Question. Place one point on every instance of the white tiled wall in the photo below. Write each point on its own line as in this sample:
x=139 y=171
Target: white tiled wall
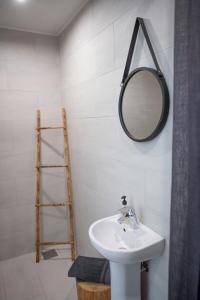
x=29 y=79
x=105 y=163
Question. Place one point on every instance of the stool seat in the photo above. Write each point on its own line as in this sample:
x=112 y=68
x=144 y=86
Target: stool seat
x=93 y=291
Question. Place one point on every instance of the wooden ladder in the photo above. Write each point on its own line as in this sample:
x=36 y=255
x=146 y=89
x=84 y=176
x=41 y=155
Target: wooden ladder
x=69 y=200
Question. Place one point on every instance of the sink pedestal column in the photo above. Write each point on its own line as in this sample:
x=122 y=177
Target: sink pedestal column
x=125 y=281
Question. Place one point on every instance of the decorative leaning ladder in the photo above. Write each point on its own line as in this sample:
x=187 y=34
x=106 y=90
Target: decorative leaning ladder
x=69 y=200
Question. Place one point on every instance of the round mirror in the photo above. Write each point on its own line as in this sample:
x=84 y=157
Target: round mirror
x=143 y=104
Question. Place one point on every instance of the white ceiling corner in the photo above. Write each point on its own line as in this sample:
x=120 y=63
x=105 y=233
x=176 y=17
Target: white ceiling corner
x=39 y=16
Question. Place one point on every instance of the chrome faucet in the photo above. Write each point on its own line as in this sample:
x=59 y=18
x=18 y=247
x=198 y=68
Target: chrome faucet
x=128 y=215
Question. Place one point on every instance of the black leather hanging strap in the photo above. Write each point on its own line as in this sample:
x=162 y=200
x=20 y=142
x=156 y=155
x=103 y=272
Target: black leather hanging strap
x=139 y=22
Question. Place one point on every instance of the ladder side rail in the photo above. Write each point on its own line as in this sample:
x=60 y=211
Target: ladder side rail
x=38 y=188
x=69 y=201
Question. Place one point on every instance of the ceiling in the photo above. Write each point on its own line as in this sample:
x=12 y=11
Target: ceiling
x=39 y=16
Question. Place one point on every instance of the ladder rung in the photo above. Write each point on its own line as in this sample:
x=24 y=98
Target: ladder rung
x=51 y=127
x=56 y=243
x=51 y=166
x=50 y=205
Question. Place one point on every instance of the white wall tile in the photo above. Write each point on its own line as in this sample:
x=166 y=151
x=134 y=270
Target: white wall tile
x=160 y=29
x=157 y=288
x=54 y=224
x=106 y=12
x=16 y=45
x=8 y=193
x=23 y=136
x=6 y=138
x=7 y=168
x=18 y=106
x=72 y=39
x=17 y=243
x=92 y=60
x=25 y=190
x=17 y=230
x=3 y=76
x=54 y=186
x=2 y=286
x=105 y=90
x=50 y=98
x=28 y=77
x=52 y=147
x=158 y=192
x=46 y=50
x=13 y=220
x=158 y=223
x=92 y=19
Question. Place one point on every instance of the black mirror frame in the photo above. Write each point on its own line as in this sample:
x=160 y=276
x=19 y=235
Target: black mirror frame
x=158 y=75
x=165 y=104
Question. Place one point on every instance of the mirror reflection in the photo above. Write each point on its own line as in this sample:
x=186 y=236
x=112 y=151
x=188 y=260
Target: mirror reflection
x=142 y=104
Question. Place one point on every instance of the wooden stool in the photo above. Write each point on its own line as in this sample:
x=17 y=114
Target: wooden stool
x=93 y=291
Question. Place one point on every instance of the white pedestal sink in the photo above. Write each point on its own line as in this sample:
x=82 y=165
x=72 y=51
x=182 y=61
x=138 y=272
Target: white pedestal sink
x=125 y=248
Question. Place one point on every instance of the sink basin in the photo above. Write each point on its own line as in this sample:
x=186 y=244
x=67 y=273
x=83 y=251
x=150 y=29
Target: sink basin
x=125 y=248
x=122 y=244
